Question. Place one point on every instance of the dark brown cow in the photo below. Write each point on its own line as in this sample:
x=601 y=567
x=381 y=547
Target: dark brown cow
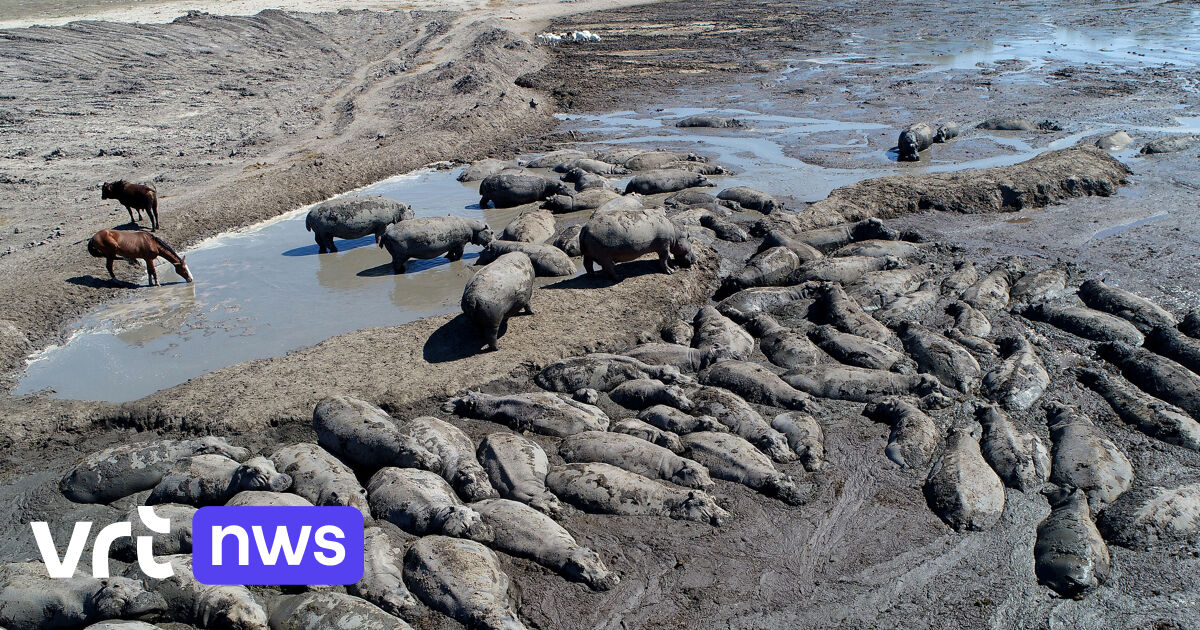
x=133 y=197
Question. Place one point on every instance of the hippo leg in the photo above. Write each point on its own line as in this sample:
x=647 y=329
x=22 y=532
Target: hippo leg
x=455 y=253
x=493 y=336
x=664 y=260
x=398 y=265
x=588 y=265
x=483 y=202
x=610 y=268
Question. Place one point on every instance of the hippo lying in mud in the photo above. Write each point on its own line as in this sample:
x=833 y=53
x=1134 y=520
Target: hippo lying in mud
x=664 y=181
x=508 y=189
x=498 y=290
x=625 y=235
x=431 y=237
x=920 y=136
x=31 y=600
x=547 y=260
x=715 y=122
x=354 y=217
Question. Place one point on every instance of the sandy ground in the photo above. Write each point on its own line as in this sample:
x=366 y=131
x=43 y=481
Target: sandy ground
x=865 y=552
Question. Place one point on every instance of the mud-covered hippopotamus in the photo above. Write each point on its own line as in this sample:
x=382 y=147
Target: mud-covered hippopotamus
x=665 y=180
x=508 y=189
x=498 y=290
x=430 y=237
x=354 y=217
x=625 y=235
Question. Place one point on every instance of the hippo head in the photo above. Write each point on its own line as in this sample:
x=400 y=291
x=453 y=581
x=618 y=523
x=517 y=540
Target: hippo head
x=784 y=488
x=231 y=610
x=218 y=446
x=776 y=447
x=585 y=565
x=258 y=473
x=701 y=507
x=463 y=522
x=482 y=236
x=908 y=146
x=682 y=251
x=462 y=405
x=473 y=485
x=586 y=396
x=679 y=398
x=693 y=475
x=121 y=597
x=558 y=188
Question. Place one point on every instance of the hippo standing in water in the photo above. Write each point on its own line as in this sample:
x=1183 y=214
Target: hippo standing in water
x=498 y=290
x=508 y=189
x=431 y=237
x=625 y=235
x=355 y=217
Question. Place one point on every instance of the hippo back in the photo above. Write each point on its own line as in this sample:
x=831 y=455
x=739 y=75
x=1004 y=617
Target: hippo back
x=357 y=216
x=501 y=285
x=627 y=232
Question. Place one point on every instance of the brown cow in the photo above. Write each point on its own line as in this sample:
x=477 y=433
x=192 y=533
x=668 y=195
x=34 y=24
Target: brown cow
x=133 y=197
x=112 y=245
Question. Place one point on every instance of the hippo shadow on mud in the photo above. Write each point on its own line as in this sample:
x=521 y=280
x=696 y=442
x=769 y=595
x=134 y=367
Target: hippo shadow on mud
x=414 y=266
x=458 y=339
x=343 y=246
x=631 y=269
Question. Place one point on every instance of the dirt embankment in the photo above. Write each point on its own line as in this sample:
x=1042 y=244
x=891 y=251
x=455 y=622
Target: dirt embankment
x=234 y=120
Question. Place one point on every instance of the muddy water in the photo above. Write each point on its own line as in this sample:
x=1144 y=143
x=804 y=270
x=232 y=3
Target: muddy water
x=258 y=293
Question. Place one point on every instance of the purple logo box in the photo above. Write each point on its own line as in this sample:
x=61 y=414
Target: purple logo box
x=277 y=545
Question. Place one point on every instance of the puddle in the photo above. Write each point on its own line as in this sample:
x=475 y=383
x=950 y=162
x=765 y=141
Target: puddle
x=1117 y=229
x=259 y=292
x=1019 y=220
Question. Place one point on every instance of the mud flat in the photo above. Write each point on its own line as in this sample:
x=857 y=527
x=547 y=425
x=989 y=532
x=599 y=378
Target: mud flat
x=865 y=549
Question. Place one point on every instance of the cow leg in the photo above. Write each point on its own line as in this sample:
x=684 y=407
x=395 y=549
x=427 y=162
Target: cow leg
x=111 y=273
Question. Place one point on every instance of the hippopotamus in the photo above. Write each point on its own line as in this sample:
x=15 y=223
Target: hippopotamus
x=768 y=268
x=1085 y=322
x=1152 y=515
x=714 y=122
x=804 y=437
x=328 y=610
x=354 y=217
x=1149 y=415
x=567 y=240
x=211 y=606
x=531 y=226
x=382 y=582
x=786 y=347
x=590 y=165
x=498 y=290
x=732 y=458
x=914 y=435
x=602 y=372
x=691 y=197
x=643 y=430
x=430 y=237
x=422 y=503
x=463 y=580
x=651 y=160
x=725 y=230
x=623 y=235
x=913 y=139
x=1020 y=379
x=365 y=436
x=1170 y=145
x=1018 y=456
x=213 y=479
x=457 y=453
x=665 y=181
x=32 y=600
x=554 y=158
x=735 y=415
x=1155 y=375
x=952 y=364
x=122 y=470
x=961 y=488
x=602 y=488
x=1083 y=457
x=1070 y=556
x=541 y=412
x=1114 y=141
x=509 y=188
x=483 y=168
x=1140 y=312
x=547 y=260
x=523 y=532
x=747 y=198
x=1018 y=124
x=588 y=199
x=320 y=477
x=677 y=422
x=517 y=467
x=586 y=180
